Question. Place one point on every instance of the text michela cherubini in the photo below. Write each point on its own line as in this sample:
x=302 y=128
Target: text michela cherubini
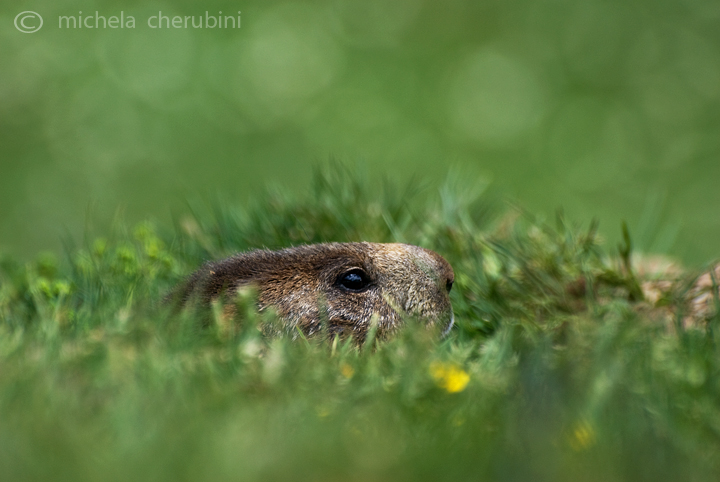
x=155 y=21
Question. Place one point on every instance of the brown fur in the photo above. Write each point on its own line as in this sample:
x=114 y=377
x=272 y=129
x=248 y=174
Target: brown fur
x=672 y=291
x=302 y=285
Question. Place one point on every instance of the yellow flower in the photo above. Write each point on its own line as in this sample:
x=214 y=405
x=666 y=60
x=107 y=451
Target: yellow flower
x=346 y=370
x=582 y=436
x=449 y=377
x=323 y=412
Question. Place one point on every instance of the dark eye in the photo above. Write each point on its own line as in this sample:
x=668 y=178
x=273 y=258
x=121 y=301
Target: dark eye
x=354 y=280
x=448 y=285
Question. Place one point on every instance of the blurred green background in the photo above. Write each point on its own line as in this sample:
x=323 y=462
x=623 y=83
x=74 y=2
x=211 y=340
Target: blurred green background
x=609 y=109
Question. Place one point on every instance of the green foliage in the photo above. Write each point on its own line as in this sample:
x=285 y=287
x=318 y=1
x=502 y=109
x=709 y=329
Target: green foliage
x=607 y=107
x=555 y=371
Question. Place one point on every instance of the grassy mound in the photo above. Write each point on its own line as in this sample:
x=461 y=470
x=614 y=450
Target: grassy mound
x=560 y=367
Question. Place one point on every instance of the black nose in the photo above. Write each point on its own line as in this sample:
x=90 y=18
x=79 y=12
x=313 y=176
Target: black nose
x=448 y=284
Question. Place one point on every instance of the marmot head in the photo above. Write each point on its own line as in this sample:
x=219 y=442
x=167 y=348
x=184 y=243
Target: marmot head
x=345 y=284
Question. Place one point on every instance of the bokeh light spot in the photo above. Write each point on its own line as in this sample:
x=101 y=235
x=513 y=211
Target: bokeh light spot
x=287 y=57
x=495 y=99
x=375 y=23
x=154 y=64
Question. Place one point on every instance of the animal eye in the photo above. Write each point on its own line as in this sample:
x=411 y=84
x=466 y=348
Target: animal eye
x=354 y=280
x=448 y=285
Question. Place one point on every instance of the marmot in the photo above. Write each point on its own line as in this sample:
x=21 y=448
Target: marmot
x=342 y=284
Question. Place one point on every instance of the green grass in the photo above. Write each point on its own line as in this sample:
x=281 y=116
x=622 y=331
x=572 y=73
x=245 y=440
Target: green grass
x=99 y=381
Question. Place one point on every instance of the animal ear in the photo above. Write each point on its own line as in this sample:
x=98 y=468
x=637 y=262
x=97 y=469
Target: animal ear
x=354 y=280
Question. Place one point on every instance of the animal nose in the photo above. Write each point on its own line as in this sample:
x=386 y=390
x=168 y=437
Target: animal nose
x=449 y=283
